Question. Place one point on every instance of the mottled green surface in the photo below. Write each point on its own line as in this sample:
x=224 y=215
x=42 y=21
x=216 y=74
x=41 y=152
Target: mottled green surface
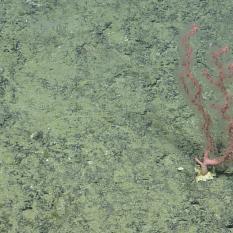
x=92 y=123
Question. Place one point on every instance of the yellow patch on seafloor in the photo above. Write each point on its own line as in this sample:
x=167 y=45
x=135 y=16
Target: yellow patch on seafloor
x=200 y=177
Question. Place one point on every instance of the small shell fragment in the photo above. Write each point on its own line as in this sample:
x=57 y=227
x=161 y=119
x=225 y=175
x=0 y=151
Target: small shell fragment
x=180 y=169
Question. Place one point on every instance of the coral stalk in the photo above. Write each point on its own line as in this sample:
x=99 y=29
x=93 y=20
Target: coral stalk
x=193 y=89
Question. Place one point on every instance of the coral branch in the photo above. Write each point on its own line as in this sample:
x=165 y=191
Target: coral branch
x=193 y=90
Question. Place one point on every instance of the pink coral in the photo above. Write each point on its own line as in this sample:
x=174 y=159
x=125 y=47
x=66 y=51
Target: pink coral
x=194 y=93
